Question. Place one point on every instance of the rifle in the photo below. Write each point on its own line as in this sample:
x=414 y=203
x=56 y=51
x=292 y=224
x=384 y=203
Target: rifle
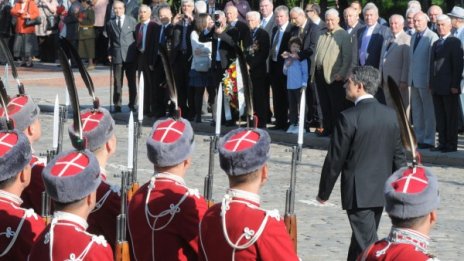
x=290 y=217
x=208 y=185
x=135 y=132
x=122 y=246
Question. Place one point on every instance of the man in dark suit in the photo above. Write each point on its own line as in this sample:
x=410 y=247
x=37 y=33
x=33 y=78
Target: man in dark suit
x=181 y=53
x=366 y=151
x=224 y=38
x=279 y=43
x=257 y=52
x=313 y=12
x=72 y=23
x=122 y=54
x=159 y=35
x=142 y=31
x=309 y=34
x=267 y=16
x=370 y=38
x=445 y=79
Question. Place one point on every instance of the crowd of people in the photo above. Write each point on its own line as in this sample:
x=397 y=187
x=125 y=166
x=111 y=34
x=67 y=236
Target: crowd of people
x=286 y=51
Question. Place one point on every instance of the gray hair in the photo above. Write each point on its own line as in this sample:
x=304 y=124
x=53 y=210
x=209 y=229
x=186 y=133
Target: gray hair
x=254 y=14
x=187 y=2
x=117 y=2
x=297 y=10
x=220 y=13
x=400 y=17
x=200 y=7
x=281 y=8
x=414 y=3
x=412 y=10
x=434 y=7
x=349 y=8
x=145 y=7
x=332 y=11
x=370 y=6
x=368 y=76
x=444 y=18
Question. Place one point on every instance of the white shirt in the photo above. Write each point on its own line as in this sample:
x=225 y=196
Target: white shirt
x=362 y=97
x=121 y=18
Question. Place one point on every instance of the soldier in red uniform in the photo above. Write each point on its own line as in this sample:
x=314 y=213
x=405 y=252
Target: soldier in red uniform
x=19 y=227
x=412 y=198
x=25 y=115
x=238 y=228
x=98 y=131
x=164 y=214
x=71 y=179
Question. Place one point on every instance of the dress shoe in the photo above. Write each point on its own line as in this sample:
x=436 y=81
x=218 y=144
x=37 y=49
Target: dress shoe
x=438 y=148
x=117 y=109
x=425 y=146
x=448 y=149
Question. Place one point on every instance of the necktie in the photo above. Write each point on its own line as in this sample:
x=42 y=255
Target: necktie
x=161 y=40
x=263 y=23
x=140 y=37
x=119 y=22
x=183 y=45
x=300 y=33
x=274 y=45
x=416 y=42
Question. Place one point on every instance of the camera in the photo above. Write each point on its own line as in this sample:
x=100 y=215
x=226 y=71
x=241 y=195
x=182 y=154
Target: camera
x=217 y=20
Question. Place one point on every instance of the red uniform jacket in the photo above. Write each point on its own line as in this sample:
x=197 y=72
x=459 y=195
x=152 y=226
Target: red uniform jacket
x=19 y=228
x=103 y=219
x=67 y=239
x=166 y=228
x=243 y=221
x=400 y=245
x=32 y=195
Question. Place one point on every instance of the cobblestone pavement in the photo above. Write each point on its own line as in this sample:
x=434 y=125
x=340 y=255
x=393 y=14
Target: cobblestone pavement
x=323 y=231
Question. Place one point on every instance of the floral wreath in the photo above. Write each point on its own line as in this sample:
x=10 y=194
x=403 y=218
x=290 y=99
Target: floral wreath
x=229 y=85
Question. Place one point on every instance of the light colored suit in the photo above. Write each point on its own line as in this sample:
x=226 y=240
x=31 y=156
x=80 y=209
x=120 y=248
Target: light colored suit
x=423 y=113
x=394 y=62
x=334 y=51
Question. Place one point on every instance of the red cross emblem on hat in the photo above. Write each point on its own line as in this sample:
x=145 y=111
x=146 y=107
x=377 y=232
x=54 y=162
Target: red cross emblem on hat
x=168 y=131
x=7 y=141
x=70 y=165
x=412 y=181
x=90 y=120
x=242 y=141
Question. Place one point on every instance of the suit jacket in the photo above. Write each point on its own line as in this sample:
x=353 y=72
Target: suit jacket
x=258 y=57
x=366 y=151
x=150 y=27
x=395 y=58
x=228 y=40
x=284 y=42
x=72 y=24
x=132 y=8
x=122 y=40
x=177 y=40
x=269 y=26
x=446 y=65
x=335 y=54
x=379 y=35
x=354 y=31
x=419 y=74
x=153 y=41
x=311 y=33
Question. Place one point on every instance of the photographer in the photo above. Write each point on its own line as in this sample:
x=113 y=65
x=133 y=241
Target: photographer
x=223 y=41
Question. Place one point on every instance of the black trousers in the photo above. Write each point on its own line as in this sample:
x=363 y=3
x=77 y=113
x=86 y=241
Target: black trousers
x=142 y=67
x=364 y=223
x=447 y=115
x=261 y=98
x=279 y=94
x=332 y=100
x=181 y=73
x=101 y=45
x=158 y=93
x=118 y=73
x=294 y=98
